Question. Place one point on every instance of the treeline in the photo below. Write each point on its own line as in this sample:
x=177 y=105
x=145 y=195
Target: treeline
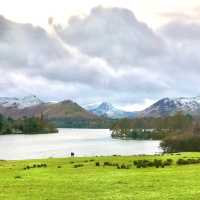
x=25 y=125
x=179 y=133
x=151 y=128
x=181 y=143
x=188 y=140
x=82 y=123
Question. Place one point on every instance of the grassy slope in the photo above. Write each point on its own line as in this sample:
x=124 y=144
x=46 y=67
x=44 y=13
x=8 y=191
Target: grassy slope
x=95 y=183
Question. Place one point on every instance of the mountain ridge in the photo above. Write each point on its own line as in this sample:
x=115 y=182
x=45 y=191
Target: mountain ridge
x=108 y=110
x=170 y=106
x=32 y=106
x=20 y=103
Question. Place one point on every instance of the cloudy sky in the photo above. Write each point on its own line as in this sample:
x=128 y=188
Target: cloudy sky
x=128 y=52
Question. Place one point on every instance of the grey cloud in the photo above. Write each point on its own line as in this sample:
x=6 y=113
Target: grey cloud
x=107 y=55
x=184 y=40
x=31 y=50
x=182 y=30
x=113 y=34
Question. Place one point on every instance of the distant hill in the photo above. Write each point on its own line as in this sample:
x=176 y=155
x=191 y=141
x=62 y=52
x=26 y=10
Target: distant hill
x=69 y=114
x=163 y=107
x=64 y=114
x=68 y=109
x=170 y=106
x=108 y=110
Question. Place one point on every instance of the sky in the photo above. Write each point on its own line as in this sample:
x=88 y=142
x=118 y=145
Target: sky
x=127 y=52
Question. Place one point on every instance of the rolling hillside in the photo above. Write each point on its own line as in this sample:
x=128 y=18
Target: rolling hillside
x=63 y=114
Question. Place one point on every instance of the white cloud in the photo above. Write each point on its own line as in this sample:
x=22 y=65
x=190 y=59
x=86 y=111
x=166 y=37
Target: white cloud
x=113 y=34
x=106 y=56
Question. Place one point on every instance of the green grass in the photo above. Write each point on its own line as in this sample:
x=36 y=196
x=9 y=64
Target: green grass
x=61 y=181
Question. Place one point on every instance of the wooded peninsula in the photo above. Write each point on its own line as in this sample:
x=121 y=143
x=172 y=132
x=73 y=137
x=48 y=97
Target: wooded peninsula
x=178 y=133
x=32 y=125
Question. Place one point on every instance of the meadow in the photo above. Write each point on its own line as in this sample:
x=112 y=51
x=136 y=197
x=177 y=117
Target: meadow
x=100 y=178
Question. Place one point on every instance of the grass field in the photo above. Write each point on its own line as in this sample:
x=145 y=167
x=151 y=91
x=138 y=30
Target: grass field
x=60 y=180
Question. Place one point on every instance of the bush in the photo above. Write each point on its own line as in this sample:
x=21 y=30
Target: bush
x=18 y=177
x=187 y=161
x=155 y=163
x=44 y=165
x=78 y=165
x=123 y=166
x=181 y=143
x=36 y=166
x=168 y=162
x=97 y=164
x=118 y=167
x=110 y=164
x=107 y=164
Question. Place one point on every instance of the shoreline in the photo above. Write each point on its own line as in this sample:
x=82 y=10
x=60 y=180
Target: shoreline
x=100 y=156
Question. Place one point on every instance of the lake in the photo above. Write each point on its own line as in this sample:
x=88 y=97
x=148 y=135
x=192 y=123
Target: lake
x=83 y=142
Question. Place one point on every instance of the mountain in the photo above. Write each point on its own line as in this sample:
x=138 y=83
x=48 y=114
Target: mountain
x=20 y=103
x=162 y=108
x=32 y=106
x=69 y=114
x=108 y=110
x=63 y=114
x=169 y=106
x=67 y=109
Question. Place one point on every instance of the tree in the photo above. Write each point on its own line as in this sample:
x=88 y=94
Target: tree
x=1 y=122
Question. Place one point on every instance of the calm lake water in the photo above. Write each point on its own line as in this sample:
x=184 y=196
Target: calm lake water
x=84 y=142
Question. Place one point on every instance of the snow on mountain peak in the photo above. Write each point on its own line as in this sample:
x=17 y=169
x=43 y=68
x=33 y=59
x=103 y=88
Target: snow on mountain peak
x=107 y=109
x=20 y=103
x=169 y=106
x=29 y=101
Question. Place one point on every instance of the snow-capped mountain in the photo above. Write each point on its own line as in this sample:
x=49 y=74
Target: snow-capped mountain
x=163 y=107
x=91 y=106
x=169 y=106
x=108 y=110
x=20 y=103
